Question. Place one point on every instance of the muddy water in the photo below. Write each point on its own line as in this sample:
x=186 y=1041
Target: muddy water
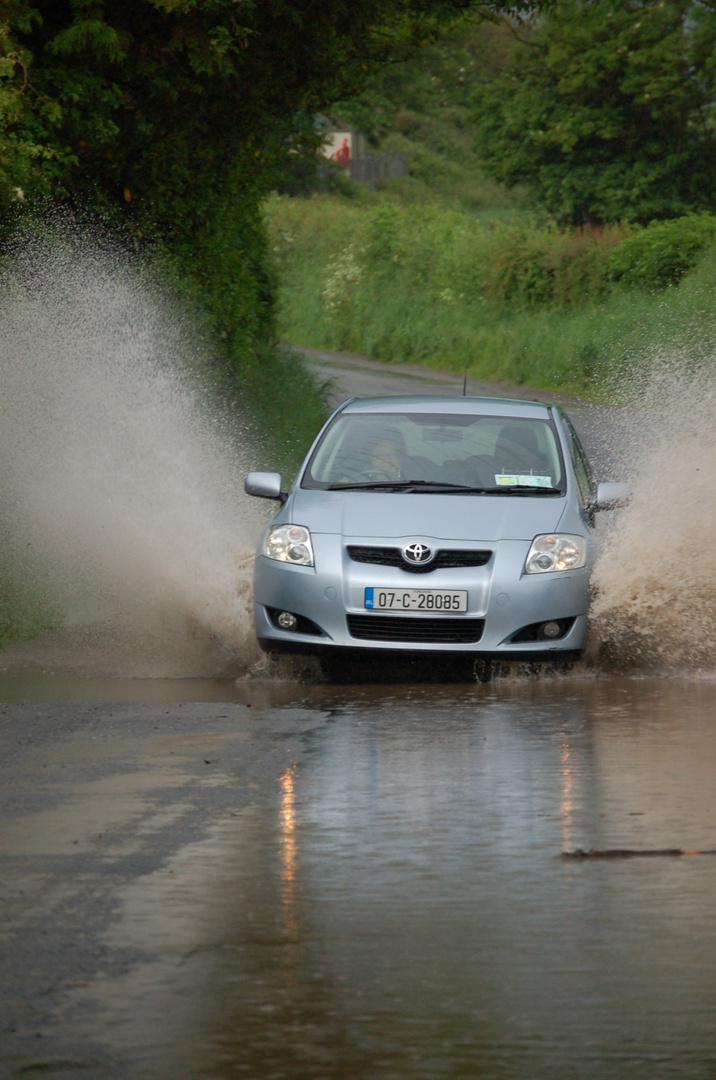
x=121 y=483
x=398 y=906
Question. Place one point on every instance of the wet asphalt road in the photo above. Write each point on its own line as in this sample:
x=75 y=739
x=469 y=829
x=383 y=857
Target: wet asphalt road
x=94 y=797
x=362 y=881
x=349 y=375
x=283 y=878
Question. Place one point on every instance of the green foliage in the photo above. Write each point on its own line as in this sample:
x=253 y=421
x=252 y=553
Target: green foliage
x=536 y=267
x=306 y=169
x=528 y=305
x=22 y=620
x=150 y=104
x=173 y=118
x=431 y=93
x=176 y=118
x=520 y=271
x=421 y=108
x=662 y=252
x=606 y=111
x=20 y=155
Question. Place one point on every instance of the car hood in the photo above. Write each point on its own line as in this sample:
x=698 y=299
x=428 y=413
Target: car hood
x=486 y=518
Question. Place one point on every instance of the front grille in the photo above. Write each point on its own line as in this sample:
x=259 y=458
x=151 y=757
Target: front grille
x=447 y=559
x=406 y=628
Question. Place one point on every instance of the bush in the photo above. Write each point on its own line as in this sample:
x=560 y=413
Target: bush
x=526 y=305
x=520 y=274
x=660 y=253
x=228 y=269
x=581 y=262
x=537 y=267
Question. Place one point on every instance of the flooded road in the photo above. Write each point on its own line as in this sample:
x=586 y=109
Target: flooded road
x=275 y=877
x=318 y=881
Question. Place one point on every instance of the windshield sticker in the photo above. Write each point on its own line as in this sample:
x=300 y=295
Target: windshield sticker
x=526 y=480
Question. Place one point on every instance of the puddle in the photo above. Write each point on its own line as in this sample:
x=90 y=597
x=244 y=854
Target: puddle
x=398 y=907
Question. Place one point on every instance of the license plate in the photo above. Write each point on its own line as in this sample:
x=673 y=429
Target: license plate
x=425 y=600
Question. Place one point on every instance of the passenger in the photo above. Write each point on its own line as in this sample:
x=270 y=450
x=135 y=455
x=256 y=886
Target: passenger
x=516 y=450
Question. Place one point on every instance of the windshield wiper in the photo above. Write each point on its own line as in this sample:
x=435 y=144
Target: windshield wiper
x=437 y=487
x=370 y=485
x=440 y=487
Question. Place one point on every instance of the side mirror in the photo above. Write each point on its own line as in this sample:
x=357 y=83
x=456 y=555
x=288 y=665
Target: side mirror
x=266 y=485
x=612 y=496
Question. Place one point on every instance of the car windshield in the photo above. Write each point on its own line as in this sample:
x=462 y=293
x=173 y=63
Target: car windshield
x=441 y=453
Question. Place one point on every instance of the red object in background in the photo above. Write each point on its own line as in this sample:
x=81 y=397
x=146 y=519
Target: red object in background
x=343 y=153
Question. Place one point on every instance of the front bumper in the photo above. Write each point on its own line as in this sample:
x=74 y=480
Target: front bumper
x=506 y=607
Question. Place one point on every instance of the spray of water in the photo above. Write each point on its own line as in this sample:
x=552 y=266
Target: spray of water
x=655 y=603
x=120 y=486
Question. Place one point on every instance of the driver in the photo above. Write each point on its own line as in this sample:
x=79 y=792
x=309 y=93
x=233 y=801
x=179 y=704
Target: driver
x=382 y=457
x=388 y=456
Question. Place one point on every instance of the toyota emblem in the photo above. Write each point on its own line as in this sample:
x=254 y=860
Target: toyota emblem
x=417 y=553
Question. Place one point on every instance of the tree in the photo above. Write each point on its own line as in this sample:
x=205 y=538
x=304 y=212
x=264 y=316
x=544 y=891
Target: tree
x=175 y=116
x=150 y=103
x=421 y=109
x=607 y=110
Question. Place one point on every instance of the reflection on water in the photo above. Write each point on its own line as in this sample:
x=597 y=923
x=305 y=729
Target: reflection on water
x=565 y=810
x=401 y=909
x=289 y=851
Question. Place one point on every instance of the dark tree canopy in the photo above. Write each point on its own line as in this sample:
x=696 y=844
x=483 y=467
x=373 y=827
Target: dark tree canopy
x=149 y=102
x=607 y=110
x=177 y=116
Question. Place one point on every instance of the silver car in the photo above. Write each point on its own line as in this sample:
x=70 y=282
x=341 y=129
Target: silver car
x=432 y=525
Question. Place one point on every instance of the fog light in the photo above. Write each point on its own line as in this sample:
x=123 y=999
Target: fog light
x=286 y=620
x=551 y=629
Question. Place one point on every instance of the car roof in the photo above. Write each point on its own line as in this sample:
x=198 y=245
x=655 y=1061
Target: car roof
x=486 y=406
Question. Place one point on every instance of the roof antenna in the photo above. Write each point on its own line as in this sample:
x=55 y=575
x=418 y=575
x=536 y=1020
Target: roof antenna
x=467 y=357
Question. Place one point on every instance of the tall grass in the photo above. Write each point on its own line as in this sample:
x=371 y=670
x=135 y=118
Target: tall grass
x=527 y=305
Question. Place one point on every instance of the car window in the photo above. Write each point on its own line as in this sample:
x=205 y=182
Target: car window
x=493 y=452
x=586 y=484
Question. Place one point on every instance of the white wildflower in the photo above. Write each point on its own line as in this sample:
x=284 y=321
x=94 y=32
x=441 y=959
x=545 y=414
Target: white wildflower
x=342 y=275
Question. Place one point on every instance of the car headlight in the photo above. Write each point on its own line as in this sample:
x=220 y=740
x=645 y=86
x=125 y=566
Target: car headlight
x=556 y=551
x=289 y=543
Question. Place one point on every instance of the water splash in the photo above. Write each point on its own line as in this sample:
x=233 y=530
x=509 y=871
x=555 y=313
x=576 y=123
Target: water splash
x=655 y=582
x=120 y=486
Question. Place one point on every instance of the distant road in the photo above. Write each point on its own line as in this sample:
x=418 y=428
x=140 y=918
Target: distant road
x=603 y=429
x=358 y=375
